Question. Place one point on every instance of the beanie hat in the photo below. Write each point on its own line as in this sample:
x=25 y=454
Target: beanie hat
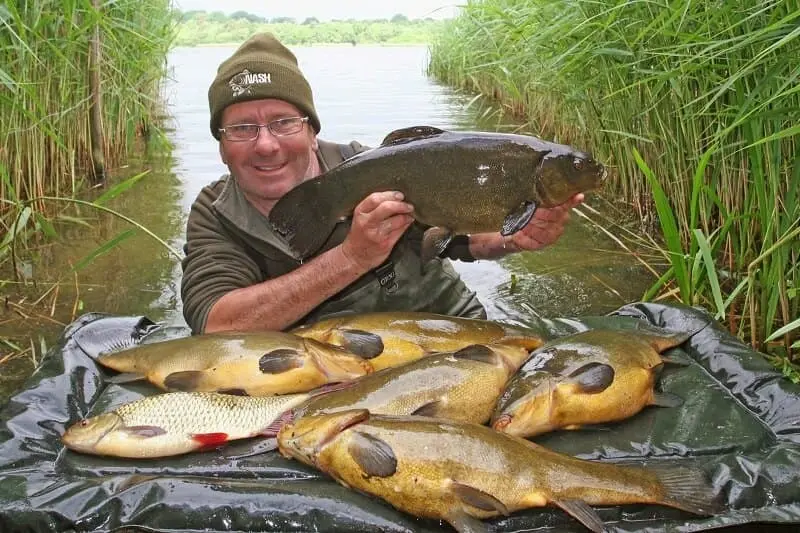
x=260 y=68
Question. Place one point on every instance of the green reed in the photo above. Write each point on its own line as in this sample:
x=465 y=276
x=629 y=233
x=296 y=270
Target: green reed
x=693 y=105
x=44 y=101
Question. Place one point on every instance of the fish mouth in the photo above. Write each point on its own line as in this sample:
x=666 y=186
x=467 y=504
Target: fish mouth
x=76 y=437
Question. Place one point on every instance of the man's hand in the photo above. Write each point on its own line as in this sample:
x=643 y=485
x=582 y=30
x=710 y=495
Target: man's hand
x=543 y=229
x=378 y=223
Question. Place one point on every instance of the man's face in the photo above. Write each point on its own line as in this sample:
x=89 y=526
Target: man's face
x=268 y=167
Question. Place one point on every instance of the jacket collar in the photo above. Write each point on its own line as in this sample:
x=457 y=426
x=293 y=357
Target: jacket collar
x=234 y=207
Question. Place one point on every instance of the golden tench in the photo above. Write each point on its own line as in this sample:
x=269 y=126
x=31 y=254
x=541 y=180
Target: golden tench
x=461 y=472
x=462 y=385
x=394 y=338
x=253 y=364
x=587 y=378
x=458 y=182
x=178 y=422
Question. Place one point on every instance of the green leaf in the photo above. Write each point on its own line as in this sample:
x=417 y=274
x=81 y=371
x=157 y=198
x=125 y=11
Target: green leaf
x=670 y=229
x=103 y=249
x=119 y=188
x=711 y=273
x=784 y=330
x=46 y=227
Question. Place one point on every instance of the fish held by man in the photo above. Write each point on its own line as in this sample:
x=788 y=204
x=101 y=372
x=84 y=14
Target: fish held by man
x=458 y=182
x=590 y=377
x=463 y=385
x=244 y=363
x=175 y=423
x=461 y=472
x=390 y=339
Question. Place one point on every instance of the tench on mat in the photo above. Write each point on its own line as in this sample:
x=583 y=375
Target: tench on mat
x=458 y=182
x=254 y=364
x=393 y=338
x=178 y=422
x=462 y=472
x=462 y=385
x=587 y=378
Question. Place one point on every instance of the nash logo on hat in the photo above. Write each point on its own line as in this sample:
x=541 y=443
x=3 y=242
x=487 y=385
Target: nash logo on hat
x=242 y=83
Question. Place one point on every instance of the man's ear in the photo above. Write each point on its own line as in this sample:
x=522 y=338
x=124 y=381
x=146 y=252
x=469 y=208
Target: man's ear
x=222 y=154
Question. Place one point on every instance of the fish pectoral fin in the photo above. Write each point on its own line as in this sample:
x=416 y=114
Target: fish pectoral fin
x=404 y=135
x=374 y=456
x=673 y=360
x=478 y=352
x=518 y=219
x=259 y=448
x=430 y=409
x=593 y=378
x=126 y=377
x=666 y=399
x=280 y=361
x=362 y=343
x=582 y=512
x=210 y=440
x=272 y=429
x=145 y=432
x=478 y=498
x=185 y=380
x=464 y=523
x=434 y=242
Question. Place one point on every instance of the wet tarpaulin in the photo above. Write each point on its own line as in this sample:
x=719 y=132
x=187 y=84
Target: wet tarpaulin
x=740 y=422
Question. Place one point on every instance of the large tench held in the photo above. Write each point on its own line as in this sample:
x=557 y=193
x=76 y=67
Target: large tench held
x=253 y=364
x=462 y=472
x=462 y=385
x=393 y=338
x=590 y=377
x=179 y=422
x=458 y=182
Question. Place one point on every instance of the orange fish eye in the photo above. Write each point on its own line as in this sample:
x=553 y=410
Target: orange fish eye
x=84 y=423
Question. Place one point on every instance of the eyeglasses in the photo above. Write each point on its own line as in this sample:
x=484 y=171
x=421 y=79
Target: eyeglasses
x=249 y=132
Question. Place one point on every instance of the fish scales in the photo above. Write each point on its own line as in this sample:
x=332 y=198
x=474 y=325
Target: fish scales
x=460 y=472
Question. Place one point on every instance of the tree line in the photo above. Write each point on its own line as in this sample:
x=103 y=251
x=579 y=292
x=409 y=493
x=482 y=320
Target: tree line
x=202 y=27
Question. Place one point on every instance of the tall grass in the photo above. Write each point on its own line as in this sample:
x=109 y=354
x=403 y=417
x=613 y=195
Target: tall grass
x=695 y=107
x=44 y=102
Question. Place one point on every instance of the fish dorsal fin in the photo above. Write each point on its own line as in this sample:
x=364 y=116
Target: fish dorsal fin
x=374 y=456
x=477 y=498
x=362 y=343
x=477 y=352
x=580 y=511
x=409 y=134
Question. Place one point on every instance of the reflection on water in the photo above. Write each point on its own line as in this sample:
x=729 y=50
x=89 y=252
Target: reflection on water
x=361 y=93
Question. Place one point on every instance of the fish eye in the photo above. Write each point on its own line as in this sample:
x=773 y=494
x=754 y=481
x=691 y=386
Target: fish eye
x=84 y=423
x=578 y=163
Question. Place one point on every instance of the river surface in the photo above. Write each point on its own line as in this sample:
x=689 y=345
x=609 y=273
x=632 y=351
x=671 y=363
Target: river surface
x=361 y=93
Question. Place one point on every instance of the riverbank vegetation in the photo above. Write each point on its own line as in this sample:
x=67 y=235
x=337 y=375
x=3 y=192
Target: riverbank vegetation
x=63 y=135
x=200 y=27
x=696 y=111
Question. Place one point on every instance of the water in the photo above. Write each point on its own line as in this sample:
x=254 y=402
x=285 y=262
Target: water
x=361 y=93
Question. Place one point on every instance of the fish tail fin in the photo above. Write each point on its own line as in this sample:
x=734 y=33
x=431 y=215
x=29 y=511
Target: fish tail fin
x=688 y=489
x=304 y=218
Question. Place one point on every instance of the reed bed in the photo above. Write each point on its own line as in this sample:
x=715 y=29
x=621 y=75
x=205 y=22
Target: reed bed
x=694 y=106
x=45 y=99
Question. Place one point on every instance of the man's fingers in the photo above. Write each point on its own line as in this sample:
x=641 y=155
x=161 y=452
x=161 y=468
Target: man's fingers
x=376 y=199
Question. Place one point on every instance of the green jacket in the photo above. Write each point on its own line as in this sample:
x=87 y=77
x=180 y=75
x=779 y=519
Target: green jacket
x=230 y=245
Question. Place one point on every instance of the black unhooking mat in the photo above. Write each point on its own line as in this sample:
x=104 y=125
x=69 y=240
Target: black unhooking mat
x=740 y=422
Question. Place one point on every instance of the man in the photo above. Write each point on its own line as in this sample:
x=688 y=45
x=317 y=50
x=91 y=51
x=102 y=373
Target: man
x=238 y=274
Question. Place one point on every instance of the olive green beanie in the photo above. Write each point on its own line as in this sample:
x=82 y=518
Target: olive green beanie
x=260 y=68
